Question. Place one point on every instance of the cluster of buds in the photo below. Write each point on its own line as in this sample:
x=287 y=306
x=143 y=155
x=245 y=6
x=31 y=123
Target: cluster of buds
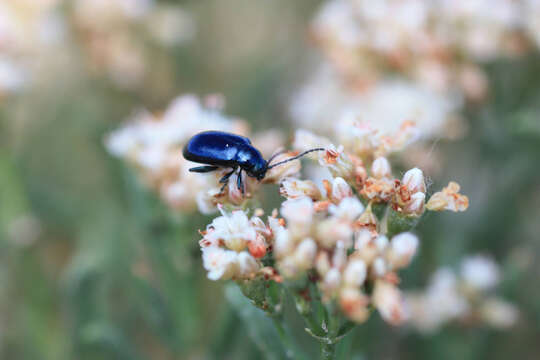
x=346 y=239
x=153 y=144
x=439 y=44
x=461 y=296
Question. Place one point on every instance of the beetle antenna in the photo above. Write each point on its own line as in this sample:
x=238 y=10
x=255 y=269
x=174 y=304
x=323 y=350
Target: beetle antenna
x=296 y=157
x=277 y=153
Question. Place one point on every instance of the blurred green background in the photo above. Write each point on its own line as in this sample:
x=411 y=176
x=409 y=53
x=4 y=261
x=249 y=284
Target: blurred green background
x=92 y=266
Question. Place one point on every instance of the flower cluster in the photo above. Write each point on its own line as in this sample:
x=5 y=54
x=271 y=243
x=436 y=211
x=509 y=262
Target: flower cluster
x=153 y=144
x=120 y=38
x=424 y=57
x=461 y=296
x=348 y=238
x=27 y=30
x=346 y=114
x=111 y=32
x=437 y=43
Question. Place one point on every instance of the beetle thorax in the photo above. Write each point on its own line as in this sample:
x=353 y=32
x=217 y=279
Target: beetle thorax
x=252 y=162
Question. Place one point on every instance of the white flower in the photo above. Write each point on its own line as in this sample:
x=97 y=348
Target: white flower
x=233 y=229
x=354 y=303
x=294 y=188
x=355 y=273
x=381 y=168
x=348 y=209
x=402 y=249
x=283 y=243
x=305 y=254
x=332 y=279
x=440 y=303
x=340 y=190
x=379 y=267
x=416 y=204
x=299 y=215
x=414 y=181
x=480 y=272
x=388 y=300
x=247 y=265
x=499 y=313
x=221 y=264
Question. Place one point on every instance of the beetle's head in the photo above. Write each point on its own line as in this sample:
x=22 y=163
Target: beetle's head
x=258 y=170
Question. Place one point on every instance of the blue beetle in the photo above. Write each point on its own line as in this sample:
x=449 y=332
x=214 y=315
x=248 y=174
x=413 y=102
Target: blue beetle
x=220 y=149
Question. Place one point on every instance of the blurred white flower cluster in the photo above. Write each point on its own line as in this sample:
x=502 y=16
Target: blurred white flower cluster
x=392 y=61
x=437 y=43
x=348 y=238
x=464 y=296
x=116 y=33
x=28 y=29
x=328 y=105
x=153 y=144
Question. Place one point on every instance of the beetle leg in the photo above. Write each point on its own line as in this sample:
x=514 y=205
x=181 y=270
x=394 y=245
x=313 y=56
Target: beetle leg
x=239 y=182
x=226 y=177
x=225 y=180
x=203 y=169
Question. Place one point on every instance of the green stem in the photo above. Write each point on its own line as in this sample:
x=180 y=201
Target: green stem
x=284 y=336
x=328 y=351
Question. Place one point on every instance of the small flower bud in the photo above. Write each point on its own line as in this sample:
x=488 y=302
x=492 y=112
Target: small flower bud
x=331 y=230
x=340 y=190
x=283 y=244
x=381 y=168
x=305 y=254
x=363 y=238
x=388 y=300
x=257 y=248
x=332 y=279
x=299 y=215
x=354 y=304
x=402 y=248
x=379 y=267
x=322 y=263
x=338 y=162
x=247 y=265
x=415 y=206
x=414 y=181
x=340 y=256
x=381 y=242
x=355 y=273
x=499 y=313
x=480 y=272
x=294 y=189
x=348 y=209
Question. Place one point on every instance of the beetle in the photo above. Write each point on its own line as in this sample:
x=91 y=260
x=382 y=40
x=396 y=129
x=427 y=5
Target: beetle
x=218 y=149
